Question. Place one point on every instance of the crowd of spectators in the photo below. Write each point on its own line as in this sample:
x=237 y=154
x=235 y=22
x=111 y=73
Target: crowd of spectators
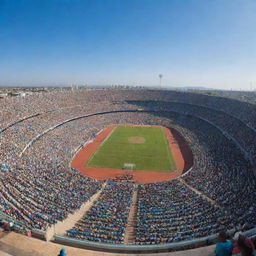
x=244 y=135
x=171 y=212
x=221 y=172
x=107 y=218
x=41 y=198
x=39 y=188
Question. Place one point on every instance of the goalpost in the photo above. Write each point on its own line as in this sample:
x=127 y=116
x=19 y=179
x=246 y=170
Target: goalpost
x=129 y=166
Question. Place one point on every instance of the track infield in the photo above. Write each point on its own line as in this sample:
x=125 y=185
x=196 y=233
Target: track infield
x=104 y=158
x=144 y=147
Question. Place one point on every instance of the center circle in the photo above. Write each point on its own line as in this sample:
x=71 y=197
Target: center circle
x=136 y=140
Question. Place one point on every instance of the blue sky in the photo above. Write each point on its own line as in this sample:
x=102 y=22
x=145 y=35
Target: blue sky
x=209 y=43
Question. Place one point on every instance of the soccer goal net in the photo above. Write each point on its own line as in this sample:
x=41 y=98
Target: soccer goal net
x=129 y=166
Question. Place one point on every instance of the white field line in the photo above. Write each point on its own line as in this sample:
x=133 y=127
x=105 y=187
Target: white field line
x=91 y=157
x=168 y=149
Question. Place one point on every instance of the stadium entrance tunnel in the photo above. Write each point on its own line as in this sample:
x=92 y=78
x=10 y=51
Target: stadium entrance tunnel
x=88 y=158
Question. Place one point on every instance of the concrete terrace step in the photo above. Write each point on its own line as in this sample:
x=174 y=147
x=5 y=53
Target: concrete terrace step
x=132 y=219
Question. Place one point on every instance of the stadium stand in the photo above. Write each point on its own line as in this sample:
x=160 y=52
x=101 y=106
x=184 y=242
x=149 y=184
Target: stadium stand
x=38 y=188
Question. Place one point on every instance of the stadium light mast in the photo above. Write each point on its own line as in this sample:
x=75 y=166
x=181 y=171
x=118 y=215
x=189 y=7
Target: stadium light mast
x=160 y=80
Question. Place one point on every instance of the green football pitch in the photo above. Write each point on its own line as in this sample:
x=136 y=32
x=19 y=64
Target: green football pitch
x=146 y=147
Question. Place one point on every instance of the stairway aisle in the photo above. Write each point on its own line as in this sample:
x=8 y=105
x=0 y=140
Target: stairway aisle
x=130 y=230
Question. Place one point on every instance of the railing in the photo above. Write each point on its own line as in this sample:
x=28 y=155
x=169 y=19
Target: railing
x=17 y=225
x=175 y=246
x=121 y=248
x=19 y=121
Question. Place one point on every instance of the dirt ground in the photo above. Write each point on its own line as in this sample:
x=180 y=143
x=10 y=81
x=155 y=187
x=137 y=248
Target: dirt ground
x=142 y=176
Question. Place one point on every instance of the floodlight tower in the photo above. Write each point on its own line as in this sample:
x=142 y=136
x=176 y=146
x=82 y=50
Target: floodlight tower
x=160 y=79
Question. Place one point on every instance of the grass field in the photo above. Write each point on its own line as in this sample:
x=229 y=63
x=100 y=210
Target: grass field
x=146 y=147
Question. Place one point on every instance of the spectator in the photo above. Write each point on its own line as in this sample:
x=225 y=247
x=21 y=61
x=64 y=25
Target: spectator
x=224 y=247
x=245 y=246
x=62 y=252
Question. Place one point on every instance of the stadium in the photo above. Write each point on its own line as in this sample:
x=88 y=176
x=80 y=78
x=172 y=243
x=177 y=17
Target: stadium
x=128 y=170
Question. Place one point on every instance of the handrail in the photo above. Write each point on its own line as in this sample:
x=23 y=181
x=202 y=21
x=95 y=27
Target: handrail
x=135 y=248
x=175 y=246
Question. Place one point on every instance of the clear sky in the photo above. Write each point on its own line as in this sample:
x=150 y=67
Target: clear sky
x=209 y=43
